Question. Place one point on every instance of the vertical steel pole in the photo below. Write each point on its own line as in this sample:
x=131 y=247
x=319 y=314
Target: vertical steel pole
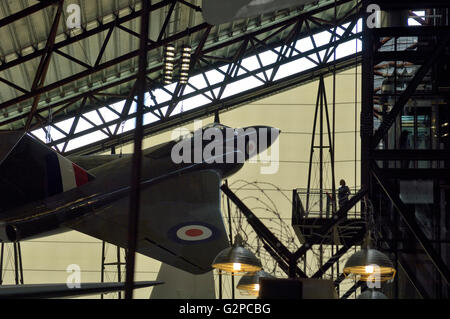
x=1 y=263
x=321 y=84
x=333 y=143
x=220 y=284
x=308 y=189
x=102 y=273
x=230 y=229
x=119 y=270
x=137 y=155
x=20 y=263
x=16 y=271
x=366 y=125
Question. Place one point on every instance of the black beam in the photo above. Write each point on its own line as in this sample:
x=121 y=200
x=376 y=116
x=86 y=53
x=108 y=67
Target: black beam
x=409 y=219
x=389 y=119
x=262 y=231
x=281 y=263
x=210 y=109
x=26 y=12
x=339 y=279
x=44 y=63
x=117 y=22
x=366 y=126
x=412 y=4
x=353 y=289
x=411 y=31
x=416 y=173
x=337 y=218
x=133 y=220
x=86 y=33
x=414 y=155
x=349 y=244
x=408 y=56
x=295 y=79
x=408 y=272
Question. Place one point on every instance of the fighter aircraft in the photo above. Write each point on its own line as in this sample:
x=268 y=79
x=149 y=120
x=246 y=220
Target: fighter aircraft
x=180 y=223
x=216 y=12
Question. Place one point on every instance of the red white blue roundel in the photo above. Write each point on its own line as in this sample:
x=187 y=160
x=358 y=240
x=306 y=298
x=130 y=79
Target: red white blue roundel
x=193 y=233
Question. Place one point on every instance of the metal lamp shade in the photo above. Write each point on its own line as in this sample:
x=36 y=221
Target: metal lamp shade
x=372 y=294
x=250 y=282
x=229 y=258
x=371 y=265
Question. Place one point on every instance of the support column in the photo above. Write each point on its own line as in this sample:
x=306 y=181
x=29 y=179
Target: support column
x=137 y=155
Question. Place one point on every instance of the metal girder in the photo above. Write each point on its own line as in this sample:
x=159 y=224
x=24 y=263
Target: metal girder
x=75 y=121
x=354 y=241
x=206 y=54
x=352 y=289
x=339 y=279
x=414 y=4
x=265 y=234
x=339 y=216
x=389 y=119
x=280 y=262
x=424 y=31
x=26 y=12
x=136 y=170
x=207 y=110
x=118 y=23
x=85 y=34
x=426 y=55
x=409 y=219
x=416 y=173
x=179 y=90
x=408 y=272
x=267 y=87
x=42 y=69
x=321 y=106
x=413 y=155
x=367 y=78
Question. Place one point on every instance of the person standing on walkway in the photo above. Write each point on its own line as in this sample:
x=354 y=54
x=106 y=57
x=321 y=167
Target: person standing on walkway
x=343 y=193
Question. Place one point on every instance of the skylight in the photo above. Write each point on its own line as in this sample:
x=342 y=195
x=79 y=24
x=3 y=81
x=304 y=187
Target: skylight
x=204 y=88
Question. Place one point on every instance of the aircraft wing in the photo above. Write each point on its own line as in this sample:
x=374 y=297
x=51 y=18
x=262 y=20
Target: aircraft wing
x=62 y=290
x=180 y=221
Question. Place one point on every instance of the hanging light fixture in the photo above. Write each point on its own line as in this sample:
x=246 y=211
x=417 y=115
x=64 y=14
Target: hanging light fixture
x=237 y=260
x=372 y=294
x=169 y=57
x=250 y=282
x=185 y=64
x=370 y=265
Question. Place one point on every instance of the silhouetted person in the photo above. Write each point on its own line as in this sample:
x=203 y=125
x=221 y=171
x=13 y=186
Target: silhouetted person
x=343 y=193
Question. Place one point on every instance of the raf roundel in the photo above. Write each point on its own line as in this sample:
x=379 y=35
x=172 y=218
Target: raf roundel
x=192 y=233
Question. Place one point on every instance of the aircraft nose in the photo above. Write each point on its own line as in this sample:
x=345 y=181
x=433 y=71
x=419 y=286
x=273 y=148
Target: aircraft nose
x=259 y=138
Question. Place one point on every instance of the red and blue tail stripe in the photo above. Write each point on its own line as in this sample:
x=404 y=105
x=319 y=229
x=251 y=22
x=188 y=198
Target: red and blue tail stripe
x=63 y=175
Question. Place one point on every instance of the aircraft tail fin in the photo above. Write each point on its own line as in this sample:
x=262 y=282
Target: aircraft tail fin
x=31 y=171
